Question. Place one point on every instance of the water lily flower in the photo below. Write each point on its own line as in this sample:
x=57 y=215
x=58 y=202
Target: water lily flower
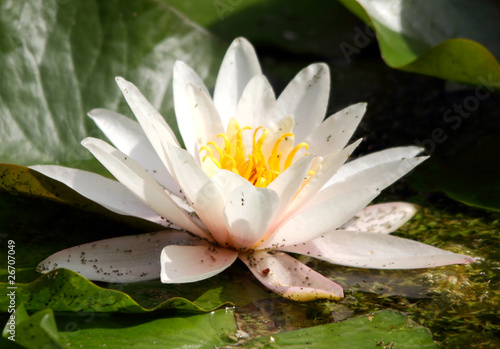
x=260 y=176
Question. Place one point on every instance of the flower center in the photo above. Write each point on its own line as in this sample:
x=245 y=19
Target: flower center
x=255 y=166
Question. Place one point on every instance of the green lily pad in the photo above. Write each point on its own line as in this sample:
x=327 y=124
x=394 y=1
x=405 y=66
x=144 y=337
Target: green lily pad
x=437 y=38
x=386 y=329
x=32 y=332
x=65 y=290
x=196 y=331
x=59 y=60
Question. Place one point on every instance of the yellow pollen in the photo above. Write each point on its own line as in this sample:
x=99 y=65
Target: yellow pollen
x=254 y=167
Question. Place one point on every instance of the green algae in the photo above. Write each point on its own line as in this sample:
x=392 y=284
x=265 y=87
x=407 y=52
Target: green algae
x=459 y=304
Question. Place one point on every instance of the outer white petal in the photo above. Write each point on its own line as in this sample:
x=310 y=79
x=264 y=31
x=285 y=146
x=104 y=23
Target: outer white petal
x=377 y=251
x=106 y=192
x=203 y=195
x=288 y=277
x=130 y=139
x=206 y=121
x=248 y=213
x=374 y=159
x=377 y=178
x=336 y=130
x=124 y=259
x=181 y=264
x=183 y=76
x=133 y=176
x=320 y=219
x=306 y=98
x=153 y=124
x=240 y=64
x=381 y=218
x=257 y=105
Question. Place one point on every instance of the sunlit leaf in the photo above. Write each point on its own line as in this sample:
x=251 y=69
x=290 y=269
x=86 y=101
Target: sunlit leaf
x=59 y=60
x=437 y=38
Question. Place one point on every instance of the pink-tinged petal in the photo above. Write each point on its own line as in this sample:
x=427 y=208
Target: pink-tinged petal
x=376 y=251
x=381 y=218
x=248 y=213
x=130 y=139
x=290 y=181
x=181 y=264
x=106 y=192
x=183 y=76
x=306 y=98
x=154 y=125
x=334 y=133
x=257 y=105
x=374 y=159
x=142 y=185
x=377 y=178
x=327 y=168
x=206 y=121
x=227 y=181
x=203 y=195
x=240 y=64
x=124 y=259
x=288 y=277
x=320 y=219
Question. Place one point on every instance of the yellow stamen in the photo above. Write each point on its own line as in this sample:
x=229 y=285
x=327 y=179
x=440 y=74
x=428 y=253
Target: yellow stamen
x=254 y=167
x=289 y=159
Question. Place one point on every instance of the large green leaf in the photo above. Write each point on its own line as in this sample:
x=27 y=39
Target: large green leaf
x=457 y=42
x=387 y=329
x=58 y=60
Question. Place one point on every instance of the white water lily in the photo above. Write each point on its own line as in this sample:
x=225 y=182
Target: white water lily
x=260 y=176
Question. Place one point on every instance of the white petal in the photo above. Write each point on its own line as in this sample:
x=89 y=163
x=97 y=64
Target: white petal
x=377 y=178
x=124 y=259
x=317 y=220
x=328 y=167
x=227 y=181
x=257 y=105
x=133 y=176
x=290 y=181
x=240 y=64
x=183 y=76
x=206 y=121
x=377 y=251
x=306 y=98
x=381 y=218
x=181 y=264
x=336 y=130
x=375 y=159
x=130 y=139
x=106 y=192
x=248 y=212
x=153 y=124
x=203 y=195
x=288 y=277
